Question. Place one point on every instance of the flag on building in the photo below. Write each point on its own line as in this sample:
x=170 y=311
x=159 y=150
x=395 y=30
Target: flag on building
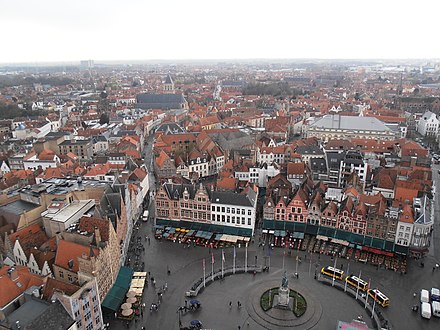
x=212 y=261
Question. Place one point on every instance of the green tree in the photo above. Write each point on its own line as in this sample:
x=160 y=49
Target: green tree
x=104 y=119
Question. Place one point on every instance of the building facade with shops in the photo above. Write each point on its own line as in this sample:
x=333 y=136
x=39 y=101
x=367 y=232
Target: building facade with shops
x=186 y=205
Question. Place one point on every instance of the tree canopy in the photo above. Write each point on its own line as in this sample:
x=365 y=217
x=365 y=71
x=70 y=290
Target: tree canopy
x=275 y=89
x=11 y=111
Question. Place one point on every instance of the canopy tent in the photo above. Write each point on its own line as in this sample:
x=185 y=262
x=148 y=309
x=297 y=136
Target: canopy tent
x=138 y=283
x=116 y=295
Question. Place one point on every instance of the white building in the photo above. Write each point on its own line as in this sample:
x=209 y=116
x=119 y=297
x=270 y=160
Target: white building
x=405 y=227
x=259 y=175
x=423 y=225
x=60 y=215
x=234 y=210
x=84 y=306
x=353 y=162
x=269 y=155
x=36 y=161
x=4 y=168
x=428 y=124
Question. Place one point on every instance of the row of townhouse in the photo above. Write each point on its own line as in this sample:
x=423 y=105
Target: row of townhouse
x=187 y=156
x=188 y=203
x=407 y=224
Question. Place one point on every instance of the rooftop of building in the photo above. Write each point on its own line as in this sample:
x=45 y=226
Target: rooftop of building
x=68 y=211
x=350 y=123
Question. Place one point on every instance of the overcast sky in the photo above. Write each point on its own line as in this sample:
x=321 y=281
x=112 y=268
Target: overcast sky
x=72 y=30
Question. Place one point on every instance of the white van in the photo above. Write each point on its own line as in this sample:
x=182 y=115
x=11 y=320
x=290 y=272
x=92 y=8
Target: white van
x=436 y=308
x=145 y=215
x=435 y=294
x=426 y=310
x=424 y=296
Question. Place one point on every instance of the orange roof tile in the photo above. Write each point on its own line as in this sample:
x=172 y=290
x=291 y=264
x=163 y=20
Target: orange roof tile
x=71 y=251
x=52 y=285
x=89 y=224
x=9 y=289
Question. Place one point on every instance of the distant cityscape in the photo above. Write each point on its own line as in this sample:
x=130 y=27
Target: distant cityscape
x=102 y=161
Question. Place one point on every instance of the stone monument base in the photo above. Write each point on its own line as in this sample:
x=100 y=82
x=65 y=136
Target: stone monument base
x=280 y=303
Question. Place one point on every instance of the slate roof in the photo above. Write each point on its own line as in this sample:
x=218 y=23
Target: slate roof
x=160 y=101
x=17 y=207
x=170 y=128
x=175 y=191
x=231 y=140
x=27 y=312
x=309 y=150
x=318 y=165
x=228 y=198
x=55 y=317
x=334 y=159
x=168 y=79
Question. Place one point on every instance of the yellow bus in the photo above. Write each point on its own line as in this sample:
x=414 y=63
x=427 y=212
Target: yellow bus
x=332 y=272
x=380 y=298
x=357 y=282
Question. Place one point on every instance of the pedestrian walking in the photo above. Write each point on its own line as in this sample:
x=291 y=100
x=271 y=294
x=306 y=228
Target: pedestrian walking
x=230 y=304
x=239 y=327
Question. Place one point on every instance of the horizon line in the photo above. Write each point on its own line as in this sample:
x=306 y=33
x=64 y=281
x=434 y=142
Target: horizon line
x=250 y=59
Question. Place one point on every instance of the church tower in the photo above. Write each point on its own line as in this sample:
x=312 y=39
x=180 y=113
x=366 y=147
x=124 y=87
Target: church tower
x=168 y=86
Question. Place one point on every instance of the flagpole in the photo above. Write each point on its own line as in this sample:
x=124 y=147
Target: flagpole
x=366 y=296
x=374 y=304
x=233 y=268
x=246 y=257
x=348 y=274
x=212 y=266
x=310 y=266
x=334 y=273
x=223 y=260
x=204 y=275
x=357 y=290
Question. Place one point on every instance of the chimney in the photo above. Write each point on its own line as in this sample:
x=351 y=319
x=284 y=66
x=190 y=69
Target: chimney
x=12 y=273
x=97 y=236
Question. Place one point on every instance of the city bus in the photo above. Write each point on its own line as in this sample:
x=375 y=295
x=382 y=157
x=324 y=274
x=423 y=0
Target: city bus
x=380 y=298
x=357 y=282
x=332 y=272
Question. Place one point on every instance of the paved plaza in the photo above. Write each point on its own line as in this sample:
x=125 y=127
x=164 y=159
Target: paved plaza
x=330 y=304
x=327 y=303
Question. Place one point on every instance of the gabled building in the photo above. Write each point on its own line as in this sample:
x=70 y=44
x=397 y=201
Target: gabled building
x=26 y=248
x=14 y=281
x=405 y=226
x=428 y=124
x=164 y=166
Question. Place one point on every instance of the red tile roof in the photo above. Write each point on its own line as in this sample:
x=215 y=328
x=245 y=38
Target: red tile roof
x=9 y=289
x=71 y=251
x=52 y=285
x=88 y=224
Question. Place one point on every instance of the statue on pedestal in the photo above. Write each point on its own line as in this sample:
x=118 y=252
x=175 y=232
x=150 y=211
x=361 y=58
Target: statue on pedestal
x=285 y=281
